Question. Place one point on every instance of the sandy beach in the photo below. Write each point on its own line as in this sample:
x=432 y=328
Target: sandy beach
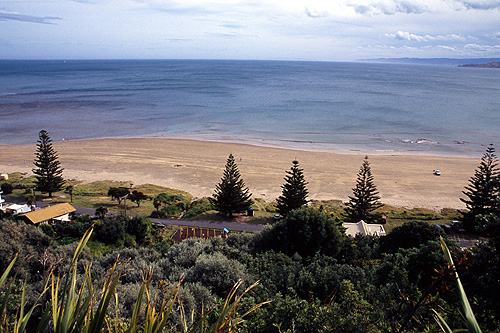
x=196 y=167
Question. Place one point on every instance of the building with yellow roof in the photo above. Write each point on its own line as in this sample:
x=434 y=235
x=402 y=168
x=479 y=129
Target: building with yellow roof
x=55 y=213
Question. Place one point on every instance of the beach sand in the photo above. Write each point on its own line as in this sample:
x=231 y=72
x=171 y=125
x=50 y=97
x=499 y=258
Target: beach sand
x=197 y=166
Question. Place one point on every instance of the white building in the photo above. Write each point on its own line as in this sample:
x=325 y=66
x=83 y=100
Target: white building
x=17 y=209
x=364 y=229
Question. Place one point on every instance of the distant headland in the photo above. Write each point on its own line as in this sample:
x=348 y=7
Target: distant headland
x=436 y=61
x=494 y=64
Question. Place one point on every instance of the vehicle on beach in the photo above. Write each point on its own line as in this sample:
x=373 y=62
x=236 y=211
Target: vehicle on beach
x=436 y=172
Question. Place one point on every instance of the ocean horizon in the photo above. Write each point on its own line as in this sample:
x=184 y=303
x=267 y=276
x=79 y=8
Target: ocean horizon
x=327 y=106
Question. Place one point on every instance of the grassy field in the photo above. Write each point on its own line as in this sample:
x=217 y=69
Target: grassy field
x=93 y=195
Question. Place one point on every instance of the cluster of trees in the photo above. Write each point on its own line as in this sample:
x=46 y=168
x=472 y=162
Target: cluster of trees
x=319 y=279
x=232 y=196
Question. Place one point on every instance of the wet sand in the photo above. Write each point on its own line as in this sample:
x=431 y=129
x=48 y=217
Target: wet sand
x=197 y=166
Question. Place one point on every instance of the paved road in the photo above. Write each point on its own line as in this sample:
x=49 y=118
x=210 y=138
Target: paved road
x=188 y=223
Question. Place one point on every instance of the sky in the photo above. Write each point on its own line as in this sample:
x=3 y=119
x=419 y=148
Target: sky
x=335 y=30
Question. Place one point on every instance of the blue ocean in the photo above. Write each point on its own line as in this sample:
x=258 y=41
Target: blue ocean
x=330 y=106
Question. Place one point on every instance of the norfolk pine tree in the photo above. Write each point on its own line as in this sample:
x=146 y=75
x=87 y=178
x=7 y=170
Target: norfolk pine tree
x=365 y=198
x=483 y=190
x=294 y=193
x=48 y=171
x=231 y=195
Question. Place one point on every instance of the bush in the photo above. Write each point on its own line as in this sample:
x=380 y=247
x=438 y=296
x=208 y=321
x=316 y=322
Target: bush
x=6 y=188
x=409 y=235
x=216 y=272
x=304 y=231
x=112 y=229
x=139 y=227
x=48 y=230
x=198 y=207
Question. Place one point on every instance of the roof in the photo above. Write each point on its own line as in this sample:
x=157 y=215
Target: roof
x=16 y=207
x=364 y=228
x=48 y=213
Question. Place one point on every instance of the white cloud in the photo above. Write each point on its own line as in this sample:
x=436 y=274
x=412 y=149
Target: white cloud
x=390 y=7
x=482 y=48
x=315 y=14
x=404 y=35
x=12 y=16
x=449 y=48
x=479 y=4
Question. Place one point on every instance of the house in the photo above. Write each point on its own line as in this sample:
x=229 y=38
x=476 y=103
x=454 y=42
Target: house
x=364 y=229
x=15 y=209
x=56 y=213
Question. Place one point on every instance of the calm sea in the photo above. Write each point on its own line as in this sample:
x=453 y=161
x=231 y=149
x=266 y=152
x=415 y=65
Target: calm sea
x=307 y=105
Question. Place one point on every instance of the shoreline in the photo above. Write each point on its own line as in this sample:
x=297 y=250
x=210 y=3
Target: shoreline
x=196 y=166
x=418 y=145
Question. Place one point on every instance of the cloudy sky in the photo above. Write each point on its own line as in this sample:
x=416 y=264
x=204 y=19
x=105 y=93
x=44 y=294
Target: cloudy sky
x=335 y=30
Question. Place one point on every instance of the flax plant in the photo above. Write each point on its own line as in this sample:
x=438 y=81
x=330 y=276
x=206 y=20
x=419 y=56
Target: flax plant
x=84 y=308
x=470 y=319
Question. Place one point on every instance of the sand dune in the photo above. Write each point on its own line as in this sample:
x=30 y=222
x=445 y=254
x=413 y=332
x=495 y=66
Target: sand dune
x=196 y=167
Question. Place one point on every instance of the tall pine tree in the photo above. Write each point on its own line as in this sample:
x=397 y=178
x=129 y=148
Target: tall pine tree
x=231 y=195
x=483 y=190
x=365 y=197
x=294 y=193
x=48 y=171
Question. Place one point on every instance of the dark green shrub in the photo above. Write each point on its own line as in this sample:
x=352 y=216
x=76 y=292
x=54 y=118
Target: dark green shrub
x=198 y=207
x=112 y=229
x=304 y=231
x=6 y=188
x=48 y=230
x=410 y=234
x=139 y=227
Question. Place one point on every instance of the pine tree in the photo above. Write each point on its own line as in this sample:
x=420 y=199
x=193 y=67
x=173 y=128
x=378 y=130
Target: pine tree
x=48 y=171
x=294 y=193
x=483 y=190
x=231 y=195
x=365 y=198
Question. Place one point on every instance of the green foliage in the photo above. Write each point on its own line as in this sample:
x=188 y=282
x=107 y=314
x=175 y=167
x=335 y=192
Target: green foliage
x=118 y=193
x=137 y=197
x=482 y=191
x=198 y=207
x=48 y=230
x=27 y=241
x=294 y=193
x=112 y=229
x=304 y=231
x=75 y=229
x=169 y=205
x=101 y=211
x=472 y=324
x=76 y=305
x=6 y=188
x=480 y=279
x=365 y=197
x=48 y=171
x=216 y=272
x=231 y=195
x=139 y=227
x=409 y=235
